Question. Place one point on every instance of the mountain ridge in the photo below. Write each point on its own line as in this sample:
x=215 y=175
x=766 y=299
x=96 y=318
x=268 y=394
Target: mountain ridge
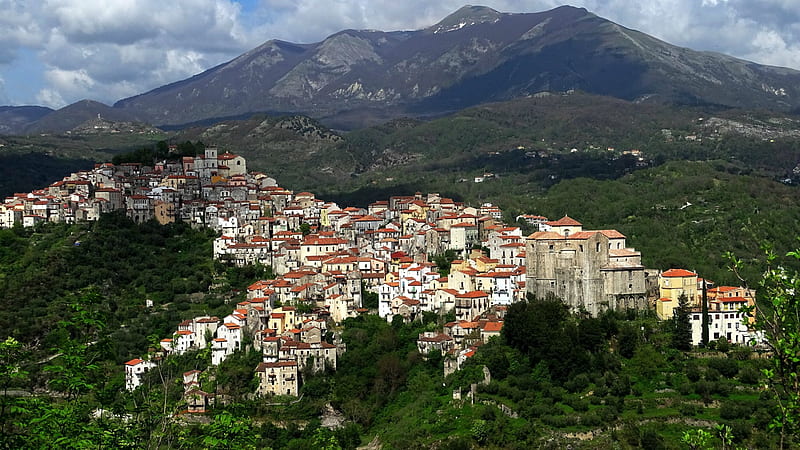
x=472 y=56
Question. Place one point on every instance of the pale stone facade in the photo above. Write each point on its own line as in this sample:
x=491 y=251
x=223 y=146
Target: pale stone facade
x=589 y=270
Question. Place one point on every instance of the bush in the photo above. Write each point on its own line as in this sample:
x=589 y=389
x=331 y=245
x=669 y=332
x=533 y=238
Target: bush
x=540 y=410
x=578 y=404
x=650 y=439
x=591 y=419
x=712 y=375
x=740 y=429
x=731 y=409
x=741 y=353
x=690 y=409
x=725 y=366
x=607 y=414
x=749 y=375
x=693 y=373
x=578 y=383
x=723 y=345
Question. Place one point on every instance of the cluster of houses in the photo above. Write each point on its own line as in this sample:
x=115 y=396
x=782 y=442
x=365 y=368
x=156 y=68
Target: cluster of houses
x=290 y=341
x=325 y=257
x=723 y=305
x=202 y=190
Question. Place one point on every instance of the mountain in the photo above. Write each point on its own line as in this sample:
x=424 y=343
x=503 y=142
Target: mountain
x=14 y=119
x=76 y=114
x=475 y=55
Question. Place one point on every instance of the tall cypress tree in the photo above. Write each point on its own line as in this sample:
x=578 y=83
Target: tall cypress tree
x=682 y=332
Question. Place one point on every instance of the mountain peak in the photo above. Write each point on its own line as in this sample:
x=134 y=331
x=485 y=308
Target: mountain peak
x=466 y=16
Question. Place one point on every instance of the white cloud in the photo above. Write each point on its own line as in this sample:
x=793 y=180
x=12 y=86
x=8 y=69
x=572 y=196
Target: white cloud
x=4 y=100
x=50 y=98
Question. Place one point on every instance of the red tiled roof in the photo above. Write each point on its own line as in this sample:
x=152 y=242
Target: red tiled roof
x=678 y=273
x=565 y=221
x=493 y=326
x=473 y=294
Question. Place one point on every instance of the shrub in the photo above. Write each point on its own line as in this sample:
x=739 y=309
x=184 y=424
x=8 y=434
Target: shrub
x=540 y=410
x=650 y=439
x=741 y=353
x=712 y=375
x=607 y=414
x=740 y=429
x=723 y=345
x=725 y=366
x=749 y=375
x=591 y=419
x=578 y=383
x=693 y=373
x=685 y=388
x=690 y=409
x=578 y=404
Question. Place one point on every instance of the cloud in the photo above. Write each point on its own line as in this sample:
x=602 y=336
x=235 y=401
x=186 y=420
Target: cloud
x=111 y=50
x=4 y=100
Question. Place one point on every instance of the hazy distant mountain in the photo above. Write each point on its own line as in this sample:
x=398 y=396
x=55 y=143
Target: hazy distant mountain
x=76 y=114
x=474 y=55
x=14 y=119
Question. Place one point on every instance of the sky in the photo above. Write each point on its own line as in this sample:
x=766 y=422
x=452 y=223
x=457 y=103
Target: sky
x=56 y=52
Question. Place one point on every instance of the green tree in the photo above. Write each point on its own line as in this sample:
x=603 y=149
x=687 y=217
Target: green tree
x=777 y=318
x=75 y=364
x=305 y=228
x=227 y=431
x=682 y=325
x=11 y=355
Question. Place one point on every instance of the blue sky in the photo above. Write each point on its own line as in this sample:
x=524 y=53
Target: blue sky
x=56 y=52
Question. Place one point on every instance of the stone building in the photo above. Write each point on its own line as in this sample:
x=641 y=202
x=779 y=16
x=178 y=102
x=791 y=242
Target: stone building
x=278 y=378
x=589 y=270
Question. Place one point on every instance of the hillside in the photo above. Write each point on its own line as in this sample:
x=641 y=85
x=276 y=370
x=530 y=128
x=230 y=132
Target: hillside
x=530 y=144
x=15 y=119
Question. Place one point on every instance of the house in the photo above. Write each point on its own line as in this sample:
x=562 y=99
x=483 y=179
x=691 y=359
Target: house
x=672 y=284
x=278 y=378
x=430 y=340
x=320 y=355
x=471 y=304
x=198 y=401
x=134 y=372
x=725 y=320
x=490 y=329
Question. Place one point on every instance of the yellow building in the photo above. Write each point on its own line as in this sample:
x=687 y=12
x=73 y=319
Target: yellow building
x=671 y=285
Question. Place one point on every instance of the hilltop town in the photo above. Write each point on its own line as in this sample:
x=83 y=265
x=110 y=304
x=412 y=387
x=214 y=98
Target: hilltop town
x=400 y=258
